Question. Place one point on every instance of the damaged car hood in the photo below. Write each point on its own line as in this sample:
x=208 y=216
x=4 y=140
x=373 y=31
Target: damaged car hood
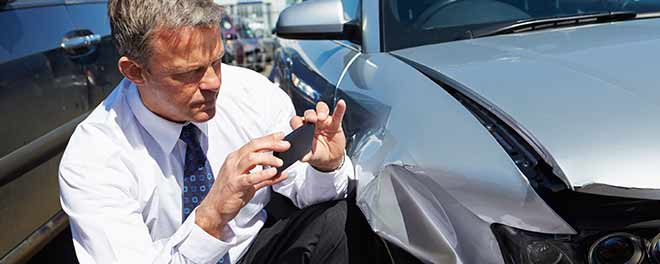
x=588 y=96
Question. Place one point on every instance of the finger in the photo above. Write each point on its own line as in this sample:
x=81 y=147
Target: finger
x=272 y=142
x=338 y=115
x=252 y=159
x=307 y=157
x=296 y=122
x=274 y=180
x=310 y=116
x=259 y=177
x=322 y=111
x=322 y=125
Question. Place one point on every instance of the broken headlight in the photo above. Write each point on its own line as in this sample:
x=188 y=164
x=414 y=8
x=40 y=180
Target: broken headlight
x=634 y=246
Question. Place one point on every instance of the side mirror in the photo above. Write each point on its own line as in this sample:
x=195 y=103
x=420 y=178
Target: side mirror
x=317 y=19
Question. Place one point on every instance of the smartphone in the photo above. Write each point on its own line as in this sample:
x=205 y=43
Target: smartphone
x=301 y=143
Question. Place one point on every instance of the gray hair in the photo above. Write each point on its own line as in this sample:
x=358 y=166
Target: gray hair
x=134 y=22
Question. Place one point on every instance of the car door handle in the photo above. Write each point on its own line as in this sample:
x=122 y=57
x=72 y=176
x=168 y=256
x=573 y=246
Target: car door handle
x=79 y=42
x=289 y=62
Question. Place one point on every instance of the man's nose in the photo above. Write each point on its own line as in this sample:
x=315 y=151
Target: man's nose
x=211 y=80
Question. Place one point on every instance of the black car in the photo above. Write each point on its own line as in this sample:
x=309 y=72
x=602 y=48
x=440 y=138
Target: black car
x=57 y=62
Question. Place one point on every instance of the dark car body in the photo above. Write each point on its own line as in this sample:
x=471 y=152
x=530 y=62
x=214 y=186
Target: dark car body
x=57 y=62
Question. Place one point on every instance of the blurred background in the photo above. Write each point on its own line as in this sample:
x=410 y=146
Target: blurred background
x=247 y=27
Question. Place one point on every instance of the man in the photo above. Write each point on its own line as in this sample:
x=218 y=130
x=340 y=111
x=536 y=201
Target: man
x=168 y=169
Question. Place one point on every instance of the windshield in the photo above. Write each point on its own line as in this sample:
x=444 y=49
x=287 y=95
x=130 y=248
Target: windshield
x=409 y=23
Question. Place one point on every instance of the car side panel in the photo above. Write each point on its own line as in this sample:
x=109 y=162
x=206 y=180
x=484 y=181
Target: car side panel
x=100 y=67
x=40 y=89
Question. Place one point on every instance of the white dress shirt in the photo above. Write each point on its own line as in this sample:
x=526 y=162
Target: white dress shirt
x=121 y=175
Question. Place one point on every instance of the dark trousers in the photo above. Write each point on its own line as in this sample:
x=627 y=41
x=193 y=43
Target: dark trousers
x=312 y=235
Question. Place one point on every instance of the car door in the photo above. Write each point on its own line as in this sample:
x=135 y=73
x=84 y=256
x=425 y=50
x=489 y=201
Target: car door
x=98 y=60
x=42 y=94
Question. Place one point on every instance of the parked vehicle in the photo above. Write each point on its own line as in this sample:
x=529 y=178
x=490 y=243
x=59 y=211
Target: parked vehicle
x=56 y=63
x=491 y=131
x=266 y=39
x=242 y=47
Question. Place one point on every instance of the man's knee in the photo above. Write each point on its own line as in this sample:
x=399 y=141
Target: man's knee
x=327 y=219
x=331 y=212
x=332 y=244
x=334 y=216
x=330 y=223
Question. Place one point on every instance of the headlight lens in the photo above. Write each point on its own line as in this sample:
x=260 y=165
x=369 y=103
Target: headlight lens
x=635 y=246
x=542 y=252
x=617 y=248
x=519 y=246
x=654 y=249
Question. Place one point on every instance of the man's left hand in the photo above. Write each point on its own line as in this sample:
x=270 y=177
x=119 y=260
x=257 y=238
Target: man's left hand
x=329 y=142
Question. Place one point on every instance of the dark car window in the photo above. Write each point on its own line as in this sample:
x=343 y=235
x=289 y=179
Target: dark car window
x=409 y=23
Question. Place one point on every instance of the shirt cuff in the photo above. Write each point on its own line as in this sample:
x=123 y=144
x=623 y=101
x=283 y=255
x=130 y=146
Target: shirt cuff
x=201 y=247
x=340 y=177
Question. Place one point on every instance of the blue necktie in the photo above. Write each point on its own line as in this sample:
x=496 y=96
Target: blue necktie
x=197 y=174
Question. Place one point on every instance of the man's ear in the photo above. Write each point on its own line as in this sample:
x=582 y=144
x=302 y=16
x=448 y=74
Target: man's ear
x=131 y=70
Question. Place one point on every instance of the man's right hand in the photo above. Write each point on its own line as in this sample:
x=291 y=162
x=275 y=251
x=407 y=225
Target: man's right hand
x=235 y=186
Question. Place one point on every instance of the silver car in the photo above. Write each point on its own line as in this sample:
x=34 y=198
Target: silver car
x=490 y=131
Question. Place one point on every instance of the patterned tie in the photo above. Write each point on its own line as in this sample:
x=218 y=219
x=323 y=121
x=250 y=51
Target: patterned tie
x=197 y=175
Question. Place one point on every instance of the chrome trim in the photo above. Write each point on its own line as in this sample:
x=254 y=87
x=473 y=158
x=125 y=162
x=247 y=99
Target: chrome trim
x=37 y=240
x=80 y=42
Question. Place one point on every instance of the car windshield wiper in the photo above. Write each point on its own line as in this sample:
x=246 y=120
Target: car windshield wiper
x=554 y=22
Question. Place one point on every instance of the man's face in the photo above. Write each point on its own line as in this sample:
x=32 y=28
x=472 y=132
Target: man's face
x=183 y=76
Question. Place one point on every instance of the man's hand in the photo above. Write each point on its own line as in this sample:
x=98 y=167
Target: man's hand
x=329 y=141
x=235 y=186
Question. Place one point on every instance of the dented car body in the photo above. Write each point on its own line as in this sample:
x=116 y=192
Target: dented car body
x=532 y=139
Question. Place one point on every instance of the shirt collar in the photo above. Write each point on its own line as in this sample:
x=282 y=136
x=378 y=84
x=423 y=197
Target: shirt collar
x=165 y=132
